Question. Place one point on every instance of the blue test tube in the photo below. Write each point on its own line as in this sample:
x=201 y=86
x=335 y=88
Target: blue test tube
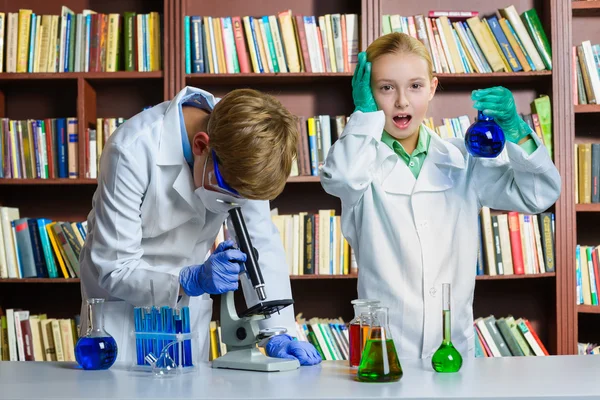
x=137 y=321
x=187 y=347
x=170 y=328
x=178 y=329
x=148 y=329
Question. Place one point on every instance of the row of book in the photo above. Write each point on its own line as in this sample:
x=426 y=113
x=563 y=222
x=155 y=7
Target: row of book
x=516 y=243
x=587 y=278
x=586 y=73
x=39 y=247
x=313 y=243
x=464 y=43
x=49 y=148
x=271 y=43
x=587 y=171
x=84 y=42
x=28 y=337
x=506 y=337
x=588 y=348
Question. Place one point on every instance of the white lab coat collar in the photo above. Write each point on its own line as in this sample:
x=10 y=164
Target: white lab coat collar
x=170 y=151
x=432 y=178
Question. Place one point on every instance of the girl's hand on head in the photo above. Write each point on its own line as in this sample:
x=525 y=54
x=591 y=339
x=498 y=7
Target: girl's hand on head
x=361 y=86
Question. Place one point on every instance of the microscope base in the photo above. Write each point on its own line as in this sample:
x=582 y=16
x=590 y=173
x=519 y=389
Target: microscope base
x=251 y=359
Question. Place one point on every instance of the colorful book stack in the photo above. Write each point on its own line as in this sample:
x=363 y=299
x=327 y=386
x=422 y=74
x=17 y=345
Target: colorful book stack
x=271 y=43
x=587 y=173
x=328 y=335
x=28 y=337
x=516 y=243
x=38 y=247
x=588 y=348
x=506 y=337
x=85 y=42
x=313 y=243
x=461 y=42
x=586 y=270
x=586 y=73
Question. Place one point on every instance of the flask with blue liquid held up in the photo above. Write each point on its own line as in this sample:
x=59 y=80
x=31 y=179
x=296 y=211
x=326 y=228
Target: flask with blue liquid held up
x=484 y=138
x=97 y=349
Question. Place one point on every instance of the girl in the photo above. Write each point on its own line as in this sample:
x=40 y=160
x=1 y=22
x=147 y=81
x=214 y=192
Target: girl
x=410 y=200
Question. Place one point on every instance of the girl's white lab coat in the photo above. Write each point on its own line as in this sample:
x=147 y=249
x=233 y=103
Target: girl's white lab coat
x=147 y=224
x=411 y=235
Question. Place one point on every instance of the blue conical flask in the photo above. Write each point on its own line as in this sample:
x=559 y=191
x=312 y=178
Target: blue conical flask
x=484 y=138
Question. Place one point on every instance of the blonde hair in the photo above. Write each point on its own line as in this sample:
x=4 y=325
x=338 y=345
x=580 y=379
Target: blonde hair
x=255 y=139
x=400 y=43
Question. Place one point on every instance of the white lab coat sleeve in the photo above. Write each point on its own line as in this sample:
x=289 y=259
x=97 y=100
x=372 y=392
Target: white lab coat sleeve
x=526 y=183
x=116 y=250
x=355 y=157
x=271 y=259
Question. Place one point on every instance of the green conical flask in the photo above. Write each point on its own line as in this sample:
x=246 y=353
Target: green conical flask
x=446 y=358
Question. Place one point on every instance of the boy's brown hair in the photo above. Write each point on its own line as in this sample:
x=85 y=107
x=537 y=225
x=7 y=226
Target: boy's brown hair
x=255 y=138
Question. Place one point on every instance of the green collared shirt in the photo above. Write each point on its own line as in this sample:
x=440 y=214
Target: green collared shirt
x=415 y=161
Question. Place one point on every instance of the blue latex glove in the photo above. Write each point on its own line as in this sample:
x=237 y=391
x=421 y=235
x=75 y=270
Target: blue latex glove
x=284 y=346
x=361 y=85
x=499 y=103
x=218 y=274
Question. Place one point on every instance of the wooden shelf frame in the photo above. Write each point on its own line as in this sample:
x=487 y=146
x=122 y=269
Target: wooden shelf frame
x=587 y=108
x=586 y=309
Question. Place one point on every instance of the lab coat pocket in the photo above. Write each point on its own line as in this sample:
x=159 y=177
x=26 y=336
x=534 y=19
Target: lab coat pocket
x=118 y=322
x=200 y=315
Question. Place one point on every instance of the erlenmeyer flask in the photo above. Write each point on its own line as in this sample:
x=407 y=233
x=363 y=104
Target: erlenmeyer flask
x=97 y=349
x=379 y=361
x=484 y=138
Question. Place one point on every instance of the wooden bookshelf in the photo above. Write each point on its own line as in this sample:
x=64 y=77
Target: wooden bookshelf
x=545 y=299
x=587 y=108
x=39 y=280
x=585 y=23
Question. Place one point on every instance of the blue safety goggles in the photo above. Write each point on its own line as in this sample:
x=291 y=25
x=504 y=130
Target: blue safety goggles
x=216 y=181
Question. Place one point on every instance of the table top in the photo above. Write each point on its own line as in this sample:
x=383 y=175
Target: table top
x=568 y=377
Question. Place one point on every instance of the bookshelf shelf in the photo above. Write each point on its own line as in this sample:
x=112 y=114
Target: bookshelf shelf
x=303 y=179
x=87 y=181
x=493 y=78
x=585 y=7
x=595 y=207
x=587 y=108
x=87 y=75
x=299 y=77
x=40 y=280
x=58 y=181
x=321 y=277
x=585 y=309
x=514 y=277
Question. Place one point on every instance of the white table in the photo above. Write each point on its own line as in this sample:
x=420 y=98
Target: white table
x=564 y=377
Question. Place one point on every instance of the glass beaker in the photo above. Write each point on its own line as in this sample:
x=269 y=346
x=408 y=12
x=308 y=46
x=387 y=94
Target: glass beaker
x=97 y=349
x=484 y=138
x=446 y=358
x=379 y=361
x=357 y=335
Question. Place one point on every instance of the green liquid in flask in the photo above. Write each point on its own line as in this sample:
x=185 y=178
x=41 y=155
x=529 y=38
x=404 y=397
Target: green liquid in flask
x=379 y=362
x=446 y=358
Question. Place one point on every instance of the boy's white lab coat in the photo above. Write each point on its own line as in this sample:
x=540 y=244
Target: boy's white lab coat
x=147 y=224
x=411 y=235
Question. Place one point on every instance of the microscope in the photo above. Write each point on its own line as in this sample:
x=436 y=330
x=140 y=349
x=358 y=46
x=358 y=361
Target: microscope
x=240 y=332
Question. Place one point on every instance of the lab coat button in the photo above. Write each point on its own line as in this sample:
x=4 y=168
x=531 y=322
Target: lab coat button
x=432 y=292
x=411 y=164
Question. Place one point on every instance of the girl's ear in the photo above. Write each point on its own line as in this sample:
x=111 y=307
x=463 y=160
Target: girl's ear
x=434 y=84
x=200 y=143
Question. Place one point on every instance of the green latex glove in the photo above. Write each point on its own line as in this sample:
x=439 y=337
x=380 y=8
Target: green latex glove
x=361 y=86
x=499 y=103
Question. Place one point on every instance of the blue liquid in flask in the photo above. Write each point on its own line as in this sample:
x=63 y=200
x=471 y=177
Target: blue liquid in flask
x=484 y=138
x=96 y=352
x=97 y=349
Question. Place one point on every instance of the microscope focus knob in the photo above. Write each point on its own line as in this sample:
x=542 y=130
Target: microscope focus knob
x=240 y=333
